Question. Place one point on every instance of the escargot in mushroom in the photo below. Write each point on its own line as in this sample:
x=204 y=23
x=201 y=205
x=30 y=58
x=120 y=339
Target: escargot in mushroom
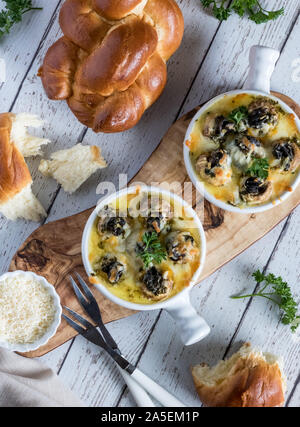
x=111 y=224
x=180 y=246
x=217 y=126
x=262 y=116
x=214 y=167
x=156 y=284
x=286 y=155
x=254 y=190
x=157 y=213
x=113 y=269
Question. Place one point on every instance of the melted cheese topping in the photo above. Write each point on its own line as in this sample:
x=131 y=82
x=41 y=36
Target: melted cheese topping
x=26 y=310
x=200 y=144
x=129 y=287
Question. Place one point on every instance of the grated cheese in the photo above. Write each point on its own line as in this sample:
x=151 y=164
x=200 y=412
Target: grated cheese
x=26 y=310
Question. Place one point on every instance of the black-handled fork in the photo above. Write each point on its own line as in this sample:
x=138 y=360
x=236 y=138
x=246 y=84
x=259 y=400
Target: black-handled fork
x=137 y=382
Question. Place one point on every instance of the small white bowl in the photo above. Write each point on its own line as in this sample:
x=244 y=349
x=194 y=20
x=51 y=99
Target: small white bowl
x=50 y=332
x=262 y=63
x=193 y=327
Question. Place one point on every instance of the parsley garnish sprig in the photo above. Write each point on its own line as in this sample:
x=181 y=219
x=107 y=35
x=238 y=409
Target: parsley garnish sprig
x=13 y=13
x=259 y=168
x=251 y=8
x=279 y=293
x=238 y=114
x=151 y=250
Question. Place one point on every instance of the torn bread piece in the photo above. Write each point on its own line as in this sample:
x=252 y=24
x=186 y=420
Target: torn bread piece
x=16 y=197
x=23 y=205
x=28 y=145
x=249 y=378
x=72 y=167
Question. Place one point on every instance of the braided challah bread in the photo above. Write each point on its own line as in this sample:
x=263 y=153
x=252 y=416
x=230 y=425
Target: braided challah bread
x=110 y=65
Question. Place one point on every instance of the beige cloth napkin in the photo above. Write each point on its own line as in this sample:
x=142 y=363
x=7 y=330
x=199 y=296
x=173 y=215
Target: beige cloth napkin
x=27 y=383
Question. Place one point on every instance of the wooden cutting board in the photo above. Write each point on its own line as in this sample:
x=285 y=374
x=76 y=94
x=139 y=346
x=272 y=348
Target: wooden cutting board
x=53 y=250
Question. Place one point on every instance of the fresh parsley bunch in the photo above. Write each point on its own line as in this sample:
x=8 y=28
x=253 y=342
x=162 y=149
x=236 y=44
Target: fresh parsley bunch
x=250 y=8
x=151 y=250
x=13 y=13
x=277 y=291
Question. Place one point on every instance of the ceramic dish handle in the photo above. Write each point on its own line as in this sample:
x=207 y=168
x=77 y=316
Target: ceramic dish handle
x=262 y=61
x=192 y=327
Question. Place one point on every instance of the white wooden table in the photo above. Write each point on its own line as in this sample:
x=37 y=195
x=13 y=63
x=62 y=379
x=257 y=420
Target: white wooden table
x=213 y=58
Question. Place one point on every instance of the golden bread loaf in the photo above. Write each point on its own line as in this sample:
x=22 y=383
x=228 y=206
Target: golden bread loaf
x=110 y=65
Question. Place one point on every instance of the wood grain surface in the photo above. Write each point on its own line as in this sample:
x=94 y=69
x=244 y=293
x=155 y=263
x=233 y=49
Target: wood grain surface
x=54 y=250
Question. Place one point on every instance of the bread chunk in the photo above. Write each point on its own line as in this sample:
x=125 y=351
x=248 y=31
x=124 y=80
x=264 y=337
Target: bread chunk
x=28 y=145
x=16 y=197
x=249 y=378
x=73 y=166
x=23 y=205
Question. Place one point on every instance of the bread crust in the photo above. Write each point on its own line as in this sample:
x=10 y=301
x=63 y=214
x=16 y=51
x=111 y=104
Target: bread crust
x=14 y=173
x=115 y=9
x=110 y=65
x=252 y=382
x=123 y=53
x=59 y=69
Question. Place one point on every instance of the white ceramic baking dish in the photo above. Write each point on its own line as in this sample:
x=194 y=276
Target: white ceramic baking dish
x=262 y=63
x=192 y=327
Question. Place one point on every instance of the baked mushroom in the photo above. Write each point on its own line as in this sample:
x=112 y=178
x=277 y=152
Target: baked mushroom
x=242 y=150
x=180 y=246
x=262 y=116
x=111 y=224
x=255 y=190
x=216 y=126
x=156 y=223
x=156 y=284
x=286 y=155
x=113 y=269
x=214 y=167
x=157 y=213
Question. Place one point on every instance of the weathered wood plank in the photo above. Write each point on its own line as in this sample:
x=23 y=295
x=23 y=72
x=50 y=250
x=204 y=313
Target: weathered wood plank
x=226 y=64
x=261 y=323
x=20 y=46
x=55 y=359
x=287 y=71
x=294 y=401
x=91 y=373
